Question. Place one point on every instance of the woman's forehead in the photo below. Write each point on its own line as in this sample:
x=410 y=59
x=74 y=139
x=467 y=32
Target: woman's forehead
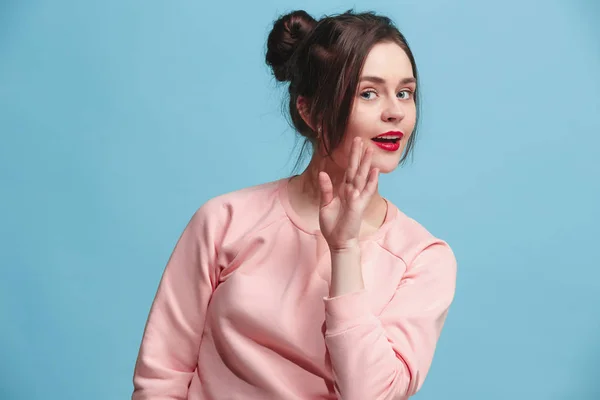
x=388 y=61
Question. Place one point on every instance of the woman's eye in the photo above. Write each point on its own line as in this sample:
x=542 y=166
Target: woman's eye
x=403 y=94
x=365 y=95
x=407 y=94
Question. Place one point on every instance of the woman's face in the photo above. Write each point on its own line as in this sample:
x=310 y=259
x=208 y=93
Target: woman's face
x=384 y=105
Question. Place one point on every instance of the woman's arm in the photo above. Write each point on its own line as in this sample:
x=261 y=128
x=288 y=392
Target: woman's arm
x=168 y=353
x=387 y=356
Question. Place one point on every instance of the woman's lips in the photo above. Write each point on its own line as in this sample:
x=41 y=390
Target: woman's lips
x=388 y=146
x=389 y=141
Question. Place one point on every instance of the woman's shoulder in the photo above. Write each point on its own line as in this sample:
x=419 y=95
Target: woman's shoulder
x=242 y=208
x=407 y=238
x=246 y=198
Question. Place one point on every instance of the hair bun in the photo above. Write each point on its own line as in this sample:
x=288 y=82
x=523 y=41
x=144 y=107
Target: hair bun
x=283 y=40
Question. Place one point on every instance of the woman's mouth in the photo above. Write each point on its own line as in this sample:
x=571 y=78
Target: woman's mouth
x=389 y=141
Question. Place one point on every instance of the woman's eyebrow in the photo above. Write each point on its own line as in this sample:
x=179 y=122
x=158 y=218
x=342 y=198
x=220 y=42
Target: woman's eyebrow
x=376 y=79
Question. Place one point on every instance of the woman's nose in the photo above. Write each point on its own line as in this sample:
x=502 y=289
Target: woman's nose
x=393 y=111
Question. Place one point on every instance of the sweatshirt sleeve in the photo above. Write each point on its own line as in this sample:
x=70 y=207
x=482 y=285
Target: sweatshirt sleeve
x=388 y=356
x=169 y=349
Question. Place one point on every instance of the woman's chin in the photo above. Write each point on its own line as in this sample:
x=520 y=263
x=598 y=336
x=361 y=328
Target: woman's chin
x=386 y=166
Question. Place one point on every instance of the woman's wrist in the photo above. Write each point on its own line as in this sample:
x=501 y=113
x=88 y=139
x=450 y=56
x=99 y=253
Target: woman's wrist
x=346 y=271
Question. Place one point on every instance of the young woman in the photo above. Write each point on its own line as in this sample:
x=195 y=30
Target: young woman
x=313 y=286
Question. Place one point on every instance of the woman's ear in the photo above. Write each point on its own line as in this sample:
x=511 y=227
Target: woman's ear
x=303 y=109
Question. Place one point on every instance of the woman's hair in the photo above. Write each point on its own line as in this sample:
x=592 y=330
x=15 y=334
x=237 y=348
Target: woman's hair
x=322 y=61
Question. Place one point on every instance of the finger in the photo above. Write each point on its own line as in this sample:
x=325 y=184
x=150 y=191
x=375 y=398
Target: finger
x=343 y=185
x=351 y=193
x=363 y=170
x=325 y=188
x=354 y=160
x=372 y=182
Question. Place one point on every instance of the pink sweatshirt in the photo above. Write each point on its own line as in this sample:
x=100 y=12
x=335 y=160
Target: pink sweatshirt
x=242 y=310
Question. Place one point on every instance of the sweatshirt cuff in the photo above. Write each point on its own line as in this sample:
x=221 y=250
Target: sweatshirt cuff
x=347 y=311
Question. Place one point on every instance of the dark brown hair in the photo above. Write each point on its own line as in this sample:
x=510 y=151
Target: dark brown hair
x=322 y=61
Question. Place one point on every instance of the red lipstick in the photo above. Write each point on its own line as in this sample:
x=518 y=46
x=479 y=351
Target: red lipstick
x=389 y=141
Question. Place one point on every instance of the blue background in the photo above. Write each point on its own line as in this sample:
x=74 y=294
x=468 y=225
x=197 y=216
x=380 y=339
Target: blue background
x=118 y=119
